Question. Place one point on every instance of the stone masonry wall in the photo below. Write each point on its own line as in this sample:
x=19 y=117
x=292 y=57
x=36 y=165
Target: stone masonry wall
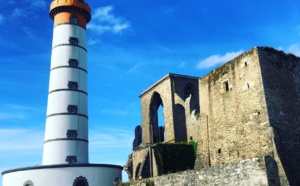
x=246 y=172
x=163 y=88
x=233 y=117
x=180 y=101
x=186 y=106
x=281 y=79
x=139 y=156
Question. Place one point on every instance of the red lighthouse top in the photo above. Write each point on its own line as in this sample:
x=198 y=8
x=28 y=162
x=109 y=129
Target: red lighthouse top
x=75 y=6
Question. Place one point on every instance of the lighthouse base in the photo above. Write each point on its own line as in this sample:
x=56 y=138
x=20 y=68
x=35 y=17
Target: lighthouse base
x=64 y=175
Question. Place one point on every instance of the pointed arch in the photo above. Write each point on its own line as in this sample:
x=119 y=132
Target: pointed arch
x=155 y=130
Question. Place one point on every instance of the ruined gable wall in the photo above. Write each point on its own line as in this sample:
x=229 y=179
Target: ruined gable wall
x=163 y=88
x=186 y=106
x=234 y=122
x=281 y=79
x=180 y=97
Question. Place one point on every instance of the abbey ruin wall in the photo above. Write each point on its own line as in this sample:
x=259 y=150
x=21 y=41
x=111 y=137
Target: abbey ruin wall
x=179 y=97
x=234 y=121
x=255 y=171
x=281 y=80
x=164 y=92
x=246 y=108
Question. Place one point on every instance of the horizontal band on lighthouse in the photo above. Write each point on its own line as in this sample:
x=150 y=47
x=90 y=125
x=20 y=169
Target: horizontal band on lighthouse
x=79 y=68
x=60 y=24
x=71 y=90
x=66 y=44
x=67 y=114
x=66 y=139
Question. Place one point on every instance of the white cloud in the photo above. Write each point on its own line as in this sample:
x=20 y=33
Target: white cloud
x=1 y=18
x=113 y=111
x=215 y=60
x=29 y=33
x=6 y=116
x=110 y=138
x=93 y=41
x=17 y=12
x=105 y=21
x=18 y=139
x=135 y=68
x=38 y=3
x=182 y=65
x=294 y=49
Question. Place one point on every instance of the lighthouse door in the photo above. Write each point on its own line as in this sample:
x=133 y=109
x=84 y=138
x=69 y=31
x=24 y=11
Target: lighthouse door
x=80 y=183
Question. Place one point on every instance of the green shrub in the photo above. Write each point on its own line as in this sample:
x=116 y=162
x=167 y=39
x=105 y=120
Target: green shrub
x=176 y=156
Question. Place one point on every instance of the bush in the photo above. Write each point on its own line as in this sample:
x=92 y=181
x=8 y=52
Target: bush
x=176 y=156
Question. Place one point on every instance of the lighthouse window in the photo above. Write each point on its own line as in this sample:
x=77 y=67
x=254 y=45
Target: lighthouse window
x=72 y=109
x=71 y=159
x=73 y=85
x=73 y=62
x=74 y=19
x=28 y=183
x=72 y=134
x=73 y=41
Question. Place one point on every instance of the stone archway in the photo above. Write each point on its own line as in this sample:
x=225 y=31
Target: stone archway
x=156 y=134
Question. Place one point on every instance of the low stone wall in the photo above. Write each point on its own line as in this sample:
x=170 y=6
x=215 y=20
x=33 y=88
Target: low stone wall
x=246 y=172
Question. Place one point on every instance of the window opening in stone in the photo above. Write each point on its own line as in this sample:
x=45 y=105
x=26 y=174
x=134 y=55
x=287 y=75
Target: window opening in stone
x=72 y=134
x=73 y=62
x=226 y=86
x=219 y=151
x=73 y=41
x=74 y=19
x=248 y=85
x=160 y=114
x=137 y=136
x=71 y=159
x=72 y=109
x=73 y=85
x=188 y=91
x=246 y=64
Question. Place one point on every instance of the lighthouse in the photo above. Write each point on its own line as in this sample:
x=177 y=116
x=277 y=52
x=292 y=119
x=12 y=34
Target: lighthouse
x=66 y=134
x=65 y=156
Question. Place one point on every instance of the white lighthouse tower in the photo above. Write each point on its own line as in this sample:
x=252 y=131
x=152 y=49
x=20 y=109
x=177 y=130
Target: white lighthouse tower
x=66 y=136
x=65 y=156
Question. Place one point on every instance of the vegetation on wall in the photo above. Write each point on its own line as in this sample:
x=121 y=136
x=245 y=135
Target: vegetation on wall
x=143 y=182
x=176 y=156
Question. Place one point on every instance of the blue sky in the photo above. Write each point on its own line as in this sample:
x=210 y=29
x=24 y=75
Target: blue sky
x=131 y=45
